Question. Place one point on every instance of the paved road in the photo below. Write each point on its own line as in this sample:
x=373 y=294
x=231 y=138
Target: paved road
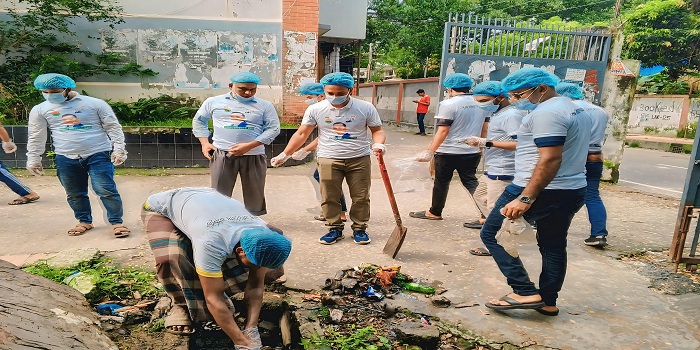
x=654 y=171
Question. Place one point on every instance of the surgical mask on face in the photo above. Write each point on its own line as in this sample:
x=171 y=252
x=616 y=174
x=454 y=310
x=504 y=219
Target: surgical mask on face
x=310 y=101
x=337 y=100
x=488 y=106
x=54 y=97
x=524 y=104
x=241 y=98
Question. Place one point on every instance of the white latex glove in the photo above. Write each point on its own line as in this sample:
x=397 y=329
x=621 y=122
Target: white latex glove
x=279 y=159
x=119 y=157
x=474 y=141
x=243 y=347
x=378 y=147
x=300 y=154
x=253 y=334
x=9 y=146
x=425 y=156
x=35 y=169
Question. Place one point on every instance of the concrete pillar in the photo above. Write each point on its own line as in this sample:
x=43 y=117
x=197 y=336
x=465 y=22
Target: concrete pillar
x=299 y=54
x=616 y=98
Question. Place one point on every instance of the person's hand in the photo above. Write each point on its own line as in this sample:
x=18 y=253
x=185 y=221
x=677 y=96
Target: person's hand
x=425 y=156
x=415 y=101
x=253 y=335
x=35 y=169
x=515 y=209
x=300 y=154
x=206 y=149
x=377 y=147
x=9 y=146
x=279 y=159
x=240 y=149
x=474 y=141
x=119 y=156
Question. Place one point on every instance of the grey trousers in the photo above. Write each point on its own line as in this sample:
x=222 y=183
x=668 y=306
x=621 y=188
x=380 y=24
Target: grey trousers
x=252 y=169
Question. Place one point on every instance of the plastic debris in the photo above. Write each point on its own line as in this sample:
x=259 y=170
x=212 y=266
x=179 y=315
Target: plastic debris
x=108 y=309
x=372 y=294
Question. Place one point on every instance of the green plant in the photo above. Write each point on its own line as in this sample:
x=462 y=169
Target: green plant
x=111 y=282
x=162 y=110
x=634 y=144
x=651 y=130
x=687 y=149
x=357 y=339
x=688 y=131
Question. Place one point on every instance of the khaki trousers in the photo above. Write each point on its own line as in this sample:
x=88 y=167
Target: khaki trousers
x=487 y=193
x=357 y=172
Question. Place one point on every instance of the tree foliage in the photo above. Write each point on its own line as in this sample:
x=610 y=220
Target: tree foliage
x=36 y=37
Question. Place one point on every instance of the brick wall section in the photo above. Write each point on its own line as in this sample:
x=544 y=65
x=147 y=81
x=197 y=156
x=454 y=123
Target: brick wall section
x=298 y=16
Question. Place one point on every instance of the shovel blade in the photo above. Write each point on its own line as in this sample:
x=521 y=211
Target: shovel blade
x=393 y=245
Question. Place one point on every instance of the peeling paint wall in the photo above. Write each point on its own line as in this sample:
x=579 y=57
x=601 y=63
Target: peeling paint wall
x=694 y=113
x=301 y=54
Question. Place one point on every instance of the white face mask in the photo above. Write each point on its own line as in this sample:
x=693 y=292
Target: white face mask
x=310 y=101
x=488 y=106
x=337 y=100
x=241 y=98
x=54 y=97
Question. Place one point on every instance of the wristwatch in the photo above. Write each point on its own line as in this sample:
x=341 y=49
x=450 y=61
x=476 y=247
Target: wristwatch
x=526 y=199
x=488 y=144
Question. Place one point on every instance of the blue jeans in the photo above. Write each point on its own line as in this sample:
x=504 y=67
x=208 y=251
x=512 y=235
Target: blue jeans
x=74 y=173
x=553 y=211
x=12 y=182
x=421 y=123
x=597 y=215
x=343 y=205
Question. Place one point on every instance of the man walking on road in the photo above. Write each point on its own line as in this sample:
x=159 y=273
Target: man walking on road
x=549 y=187
x=88 y=141
x=343 y=153
x=457 y=118
x=597 y=215
x=422 y=105
x=243 y=125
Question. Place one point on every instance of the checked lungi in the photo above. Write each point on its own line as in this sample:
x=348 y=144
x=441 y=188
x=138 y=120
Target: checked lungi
x=176 y=271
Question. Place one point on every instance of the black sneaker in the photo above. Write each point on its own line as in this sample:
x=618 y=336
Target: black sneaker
x=596 y=241
x=474 y=224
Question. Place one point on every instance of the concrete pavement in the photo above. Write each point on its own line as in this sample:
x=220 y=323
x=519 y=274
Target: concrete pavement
x=606 y=303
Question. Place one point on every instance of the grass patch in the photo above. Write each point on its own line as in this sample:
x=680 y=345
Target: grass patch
x=111 y=282
x=357 y=339
x=634 y=144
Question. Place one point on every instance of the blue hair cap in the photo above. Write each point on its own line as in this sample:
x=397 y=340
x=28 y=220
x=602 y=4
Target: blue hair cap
x=311 y=89
x=266 y=248
x=53 y=81
x=245 y=77
x=488 y=88
x=338 y=78
x=458 y=81
x=528 y=78
x=570 y=90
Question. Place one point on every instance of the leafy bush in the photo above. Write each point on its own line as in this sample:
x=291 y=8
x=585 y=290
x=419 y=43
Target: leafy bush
x=689 y=131
x=360 y=339
x=634 y=144
x=164 y=110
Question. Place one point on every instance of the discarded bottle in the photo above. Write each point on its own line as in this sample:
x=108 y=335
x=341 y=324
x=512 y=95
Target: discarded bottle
x=412 y=286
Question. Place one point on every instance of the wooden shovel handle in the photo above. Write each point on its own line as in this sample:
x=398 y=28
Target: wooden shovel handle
x=389 y=189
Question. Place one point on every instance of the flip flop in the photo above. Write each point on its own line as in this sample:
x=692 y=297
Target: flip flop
x=120 y=231
x=421 y=215
x=479 y=252
x=23 y=200
x=514 y=304
x=178 y=316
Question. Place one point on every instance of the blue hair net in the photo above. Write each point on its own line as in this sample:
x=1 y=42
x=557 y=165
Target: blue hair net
x=528 y=78
x=458 y=81
x=488 y=88
x=53 y=81
x=311 y=89
x=569 y=90
x=265 y=247
x=245 y=77
x=338 y=78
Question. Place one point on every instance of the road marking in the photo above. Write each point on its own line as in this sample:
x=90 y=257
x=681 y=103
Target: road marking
x=658 y=188
x=674 y=166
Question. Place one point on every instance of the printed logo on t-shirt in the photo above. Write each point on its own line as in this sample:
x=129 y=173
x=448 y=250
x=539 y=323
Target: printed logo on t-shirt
x=71 y=122
x=341 y=131
x=328 y=120
x=240 y=122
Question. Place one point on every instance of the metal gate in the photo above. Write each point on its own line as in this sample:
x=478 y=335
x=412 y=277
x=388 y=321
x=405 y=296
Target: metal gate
x=491 y=48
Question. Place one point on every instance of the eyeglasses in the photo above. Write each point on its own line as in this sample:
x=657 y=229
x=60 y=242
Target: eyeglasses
x=519 y=95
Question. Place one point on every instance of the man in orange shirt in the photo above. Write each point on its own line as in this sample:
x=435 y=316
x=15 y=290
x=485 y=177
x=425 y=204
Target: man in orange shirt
x=421 y=110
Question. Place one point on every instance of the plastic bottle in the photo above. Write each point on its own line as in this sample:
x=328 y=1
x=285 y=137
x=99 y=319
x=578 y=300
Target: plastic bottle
x=412 y=286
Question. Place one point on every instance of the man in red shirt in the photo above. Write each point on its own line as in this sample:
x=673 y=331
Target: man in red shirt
x=421 y=110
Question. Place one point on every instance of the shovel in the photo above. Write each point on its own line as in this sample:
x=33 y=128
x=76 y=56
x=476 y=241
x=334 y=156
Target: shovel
x=395 y=241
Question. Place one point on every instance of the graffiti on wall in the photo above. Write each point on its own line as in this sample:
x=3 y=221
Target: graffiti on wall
x=659 y=114
x=195 y=58
x=694 y=113
x=301 y=54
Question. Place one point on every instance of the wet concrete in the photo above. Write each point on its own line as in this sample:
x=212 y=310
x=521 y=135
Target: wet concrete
x=606 y=303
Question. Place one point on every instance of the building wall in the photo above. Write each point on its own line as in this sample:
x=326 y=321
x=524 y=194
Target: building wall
x=658 y=114
x=386 y=96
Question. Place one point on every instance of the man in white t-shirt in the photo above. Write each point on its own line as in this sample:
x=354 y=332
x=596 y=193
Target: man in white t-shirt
x=549 y=187
x=343 y=153
x=207 y=248
x=457 y=118
x=597 y=215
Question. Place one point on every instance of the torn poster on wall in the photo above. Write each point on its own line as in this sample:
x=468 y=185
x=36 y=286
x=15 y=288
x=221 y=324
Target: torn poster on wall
x=196 y=58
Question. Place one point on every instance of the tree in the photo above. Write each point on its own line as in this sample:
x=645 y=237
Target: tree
x=664 y=32
x=36 y=40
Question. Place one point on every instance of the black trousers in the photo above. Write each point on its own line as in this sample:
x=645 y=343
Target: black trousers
x=445 y=165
